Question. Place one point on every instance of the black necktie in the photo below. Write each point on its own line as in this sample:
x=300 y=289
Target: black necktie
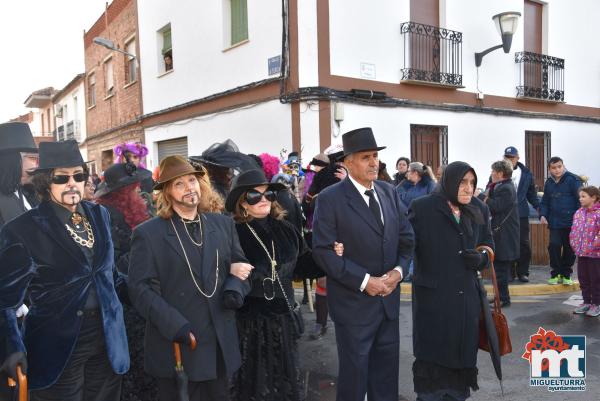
x=374 y=206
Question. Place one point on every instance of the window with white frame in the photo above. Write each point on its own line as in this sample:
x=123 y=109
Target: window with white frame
x=109 y=82
x=165 y=44
x=92 y=90
x=130 y=62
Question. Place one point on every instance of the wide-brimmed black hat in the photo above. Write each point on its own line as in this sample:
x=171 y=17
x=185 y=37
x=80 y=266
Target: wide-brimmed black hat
x=117 y=176
x=16 y=137
x=225 y=155
x=359 y=140
x=245 y=181
x=59 y=154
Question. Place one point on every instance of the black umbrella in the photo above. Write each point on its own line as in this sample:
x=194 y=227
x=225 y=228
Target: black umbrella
x=490 y=326
x=181 y=377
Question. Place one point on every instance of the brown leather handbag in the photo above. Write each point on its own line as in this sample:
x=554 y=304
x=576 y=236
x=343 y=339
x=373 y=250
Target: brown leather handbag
x=497 y=315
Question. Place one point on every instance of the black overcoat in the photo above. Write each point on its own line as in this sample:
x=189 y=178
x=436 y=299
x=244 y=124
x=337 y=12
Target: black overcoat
x=502 y=202
x=446 y=304
x=162 y=290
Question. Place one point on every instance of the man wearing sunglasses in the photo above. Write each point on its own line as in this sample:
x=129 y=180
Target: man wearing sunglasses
x=363 y=292
x=60 y=255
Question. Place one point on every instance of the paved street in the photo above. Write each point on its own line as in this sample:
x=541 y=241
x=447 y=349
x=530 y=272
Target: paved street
x=525 y=316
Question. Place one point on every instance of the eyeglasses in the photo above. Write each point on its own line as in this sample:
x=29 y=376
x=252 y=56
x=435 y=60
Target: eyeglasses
x=64 y=178
x=253 y=196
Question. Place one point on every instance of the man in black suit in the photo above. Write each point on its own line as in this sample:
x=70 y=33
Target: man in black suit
x=180 y=266
x=363 y=292
x=18 y=157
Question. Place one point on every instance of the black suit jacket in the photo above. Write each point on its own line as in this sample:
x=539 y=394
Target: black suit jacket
x=10 y=207
x=342 y=215
x=163 y=292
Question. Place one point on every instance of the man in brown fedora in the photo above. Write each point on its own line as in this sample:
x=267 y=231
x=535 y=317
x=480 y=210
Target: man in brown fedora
x=179 y=264
x=366 y=216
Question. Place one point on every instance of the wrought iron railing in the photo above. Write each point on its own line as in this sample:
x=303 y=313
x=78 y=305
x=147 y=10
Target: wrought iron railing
x=540 y=77
x=431 y=54
x=74 y=130
x=60 y=133
x=70 y=130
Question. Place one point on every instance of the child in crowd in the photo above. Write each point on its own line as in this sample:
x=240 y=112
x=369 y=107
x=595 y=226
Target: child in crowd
x=585 y=242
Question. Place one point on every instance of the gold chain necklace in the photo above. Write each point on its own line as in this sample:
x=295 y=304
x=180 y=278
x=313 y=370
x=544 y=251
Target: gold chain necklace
x=273 y=277
x=188 y=233
x=190 y=266
x=88 y=243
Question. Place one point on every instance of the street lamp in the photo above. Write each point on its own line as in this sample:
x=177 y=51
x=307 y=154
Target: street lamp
x=506 y=24
x=110 y=46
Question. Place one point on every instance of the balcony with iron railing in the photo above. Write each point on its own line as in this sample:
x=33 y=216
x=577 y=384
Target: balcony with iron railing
x=432 y=55
x=70 y=130
x=541 y=77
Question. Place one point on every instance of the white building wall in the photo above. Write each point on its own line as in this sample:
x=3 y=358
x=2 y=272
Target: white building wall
x=265 y=127
x=203 y=64
x=308 y=43
x=476 y=138
x=363 y=33
x=309 y=123
x=76 y=109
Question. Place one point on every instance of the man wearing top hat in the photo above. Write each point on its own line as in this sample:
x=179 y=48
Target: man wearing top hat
x=60 y=255
x=366 y=216
x=180 y=264
x=18 y=155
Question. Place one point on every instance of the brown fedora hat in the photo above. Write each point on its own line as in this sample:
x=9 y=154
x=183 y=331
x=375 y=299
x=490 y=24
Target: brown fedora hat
x=172 y=167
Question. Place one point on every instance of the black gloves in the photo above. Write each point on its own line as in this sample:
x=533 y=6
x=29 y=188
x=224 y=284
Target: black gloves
x=9 y=366
x=232 y=300
x=183 y=335
x=474 y=259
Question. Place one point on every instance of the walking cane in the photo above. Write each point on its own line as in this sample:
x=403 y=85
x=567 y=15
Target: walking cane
x=22 y=384
x=181 y=378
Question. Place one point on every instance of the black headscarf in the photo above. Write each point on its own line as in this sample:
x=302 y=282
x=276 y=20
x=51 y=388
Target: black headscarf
x=448 y=189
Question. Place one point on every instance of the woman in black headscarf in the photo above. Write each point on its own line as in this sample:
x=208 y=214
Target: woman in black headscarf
x=449 y=225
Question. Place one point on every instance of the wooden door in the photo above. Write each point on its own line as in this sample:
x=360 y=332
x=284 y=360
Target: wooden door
x=532 y=25
x=537 y=151
x=424 y=46
x=428 y=145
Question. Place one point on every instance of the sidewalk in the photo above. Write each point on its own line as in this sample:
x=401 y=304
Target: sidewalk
x=538 y=284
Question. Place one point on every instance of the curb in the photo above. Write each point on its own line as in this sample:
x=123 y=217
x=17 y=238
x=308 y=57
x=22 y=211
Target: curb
x=519 y=290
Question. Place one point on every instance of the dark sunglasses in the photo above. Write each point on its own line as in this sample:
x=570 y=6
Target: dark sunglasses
x=64 y=178
x=253 y=196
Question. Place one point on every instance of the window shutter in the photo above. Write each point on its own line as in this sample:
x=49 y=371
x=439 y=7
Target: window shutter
x=239 y=21
x=166 y=41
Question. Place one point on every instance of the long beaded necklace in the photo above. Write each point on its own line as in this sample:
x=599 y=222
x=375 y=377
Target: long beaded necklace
x=188 y=233
x=89 y=242
x=273 y=277
x=190 y=266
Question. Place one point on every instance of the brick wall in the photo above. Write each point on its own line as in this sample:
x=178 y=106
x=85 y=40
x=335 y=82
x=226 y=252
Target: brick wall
x=123 y=107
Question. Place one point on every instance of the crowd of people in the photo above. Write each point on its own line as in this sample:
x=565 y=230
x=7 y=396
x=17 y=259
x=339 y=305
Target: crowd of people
x=105 y=281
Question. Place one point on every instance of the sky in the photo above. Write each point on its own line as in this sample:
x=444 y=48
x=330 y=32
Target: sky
x=42 y=45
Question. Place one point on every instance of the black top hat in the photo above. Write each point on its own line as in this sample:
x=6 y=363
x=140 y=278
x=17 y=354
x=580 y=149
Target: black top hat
x=117 y=176
x=60 y=154
x=245 y=181
x=16 y=137
x=359 y=140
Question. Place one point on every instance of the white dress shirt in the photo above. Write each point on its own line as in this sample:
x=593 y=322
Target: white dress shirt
x=361 y=190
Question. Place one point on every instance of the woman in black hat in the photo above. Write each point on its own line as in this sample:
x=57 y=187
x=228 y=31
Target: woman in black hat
x=120 y=194
x=266 y=322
